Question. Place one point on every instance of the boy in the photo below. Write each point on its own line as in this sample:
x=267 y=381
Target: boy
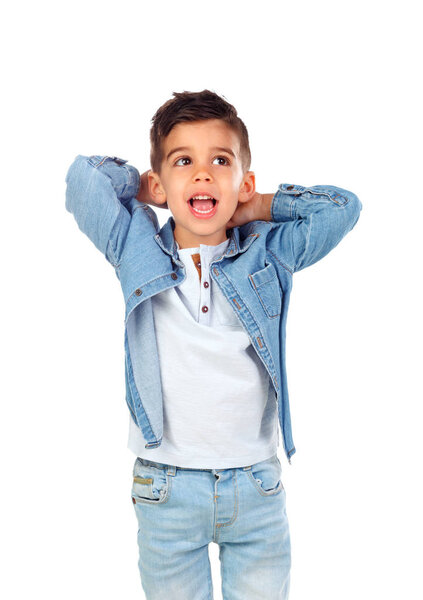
x=206 y=302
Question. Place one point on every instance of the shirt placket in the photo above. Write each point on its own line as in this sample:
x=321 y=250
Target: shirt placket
x=201 y=262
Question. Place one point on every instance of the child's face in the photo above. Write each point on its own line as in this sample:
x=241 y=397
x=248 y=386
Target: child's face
x=201 y=169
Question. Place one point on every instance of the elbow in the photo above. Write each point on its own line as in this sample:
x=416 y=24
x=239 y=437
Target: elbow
x=354 y=207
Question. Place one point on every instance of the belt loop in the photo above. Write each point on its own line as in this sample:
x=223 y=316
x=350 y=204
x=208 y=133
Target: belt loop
x=171 y=470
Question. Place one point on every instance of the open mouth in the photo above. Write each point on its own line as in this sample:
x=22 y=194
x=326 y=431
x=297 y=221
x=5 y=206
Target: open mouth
x=203 y=206
x=202 y=210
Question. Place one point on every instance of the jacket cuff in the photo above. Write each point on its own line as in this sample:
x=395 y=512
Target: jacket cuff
x=282 y=207
x=124 y=178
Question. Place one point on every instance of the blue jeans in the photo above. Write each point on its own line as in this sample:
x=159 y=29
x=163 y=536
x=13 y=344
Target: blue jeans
x=181 y=510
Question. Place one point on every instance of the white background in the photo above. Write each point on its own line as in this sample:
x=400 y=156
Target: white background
x=330 y=92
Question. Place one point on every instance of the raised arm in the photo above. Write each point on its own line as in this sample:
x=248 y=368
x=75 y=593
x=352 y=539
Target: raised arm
x=97 y=193
x=311 y=221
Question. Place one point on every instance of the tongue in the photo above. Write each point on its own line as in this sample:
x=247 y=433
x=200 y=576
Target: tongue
x=202 y=204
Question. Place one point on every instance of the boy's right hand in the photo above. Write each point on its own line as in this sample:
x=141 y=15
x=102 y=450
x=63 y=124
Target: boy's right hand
x=144 y=193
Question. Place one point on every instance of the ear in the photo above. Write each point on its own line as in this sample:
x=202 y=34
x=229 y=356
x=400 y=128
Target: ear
x=247 y=188
x=155 y=187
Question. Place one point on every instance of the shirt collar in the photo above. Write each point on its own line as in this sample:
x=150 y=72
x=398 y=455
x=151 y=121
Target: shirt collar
x=235 y=245
x=205 y=250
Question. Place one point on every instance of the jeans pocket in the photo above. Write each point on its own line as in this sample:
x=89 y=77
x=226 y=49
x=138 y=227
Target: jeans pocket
x=150 y=484
x=266 y=476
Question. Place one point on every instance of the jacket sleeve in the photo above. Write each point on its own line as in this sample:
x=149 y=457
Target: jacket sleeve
x=97 y=192
x=310 y=222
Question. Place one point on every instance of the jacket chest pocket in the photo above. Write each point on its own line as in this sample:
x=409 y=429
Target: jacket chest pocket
x=266 y=285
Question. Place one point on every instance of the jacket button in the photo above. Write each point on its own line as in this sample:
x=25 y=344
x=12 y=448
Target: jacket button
x=206 y=284
x=174 y=276
x=290 y=187
x=138 y=292
x=204 y=309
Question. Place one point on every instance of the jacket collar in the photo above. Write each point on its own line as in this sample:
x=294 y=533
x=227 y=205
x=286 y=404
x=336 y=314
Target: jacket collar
x=237 y=244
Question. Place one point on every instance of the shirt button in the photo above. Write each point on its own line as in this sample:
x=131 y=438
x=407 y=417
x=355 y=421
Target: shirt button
x=138 y=292
x=198 y=264
x=206 y=284
x=204 y=309
x=174 y=276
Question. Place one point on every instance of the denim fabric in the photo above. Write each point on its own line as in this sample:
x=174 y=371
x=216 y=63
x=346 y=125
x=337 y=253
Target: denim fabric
x=180 y=511
x=255 y=273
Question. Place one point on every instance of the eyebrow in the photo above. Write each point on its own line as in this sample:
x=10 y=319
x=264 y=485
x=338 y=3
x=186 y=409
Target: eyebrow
x=221 y=148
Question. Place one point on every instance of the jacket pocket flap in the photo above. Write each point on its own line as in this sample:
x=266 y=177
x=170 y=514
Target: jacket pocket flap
x=263 y=276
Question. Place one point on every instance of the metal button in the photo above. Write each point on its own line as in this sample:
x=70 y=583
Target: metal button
x=138 y=292
x=206 y=284
x=290 y=187
x=198 y=264
x=174 y=276
x=204 y=309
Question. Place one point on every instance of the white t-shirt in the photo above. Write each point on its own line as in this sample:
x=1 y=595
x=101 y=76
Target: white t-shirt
x=219 y=406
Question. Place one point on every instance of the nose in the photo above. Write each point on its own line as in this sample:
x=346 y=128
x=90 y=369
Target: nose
x=202 y=173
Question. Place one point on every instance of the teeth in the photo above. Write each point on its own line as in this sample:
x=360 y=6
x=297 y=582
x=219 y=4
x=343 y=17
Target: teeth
x=202 y=198
x=203 y=211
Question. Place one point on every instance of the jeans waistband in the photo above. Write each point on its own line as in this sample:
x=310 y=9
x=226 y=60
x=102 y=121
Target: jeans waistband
x=164 y=465
x=153 y=463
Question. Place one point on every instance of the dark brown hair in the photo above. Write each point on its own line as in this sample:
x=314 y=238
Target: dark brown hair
x=195 y=106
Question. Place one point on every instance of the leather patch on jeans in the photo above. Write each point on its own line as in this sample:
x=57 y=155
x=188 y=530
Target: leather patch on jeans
x=143 y=480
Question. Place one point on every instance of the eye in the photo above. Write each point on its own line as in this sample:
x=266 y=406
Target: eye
x=217 y=158
x=182 y=158
x=223 y=158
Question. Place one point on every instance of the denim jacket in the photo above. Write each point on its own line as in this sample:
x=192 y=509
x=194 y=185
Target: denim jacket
x=254 y=274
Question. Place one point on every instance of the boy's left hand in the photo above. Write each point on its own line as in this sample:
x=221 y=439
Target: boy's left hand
x=256 y=209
